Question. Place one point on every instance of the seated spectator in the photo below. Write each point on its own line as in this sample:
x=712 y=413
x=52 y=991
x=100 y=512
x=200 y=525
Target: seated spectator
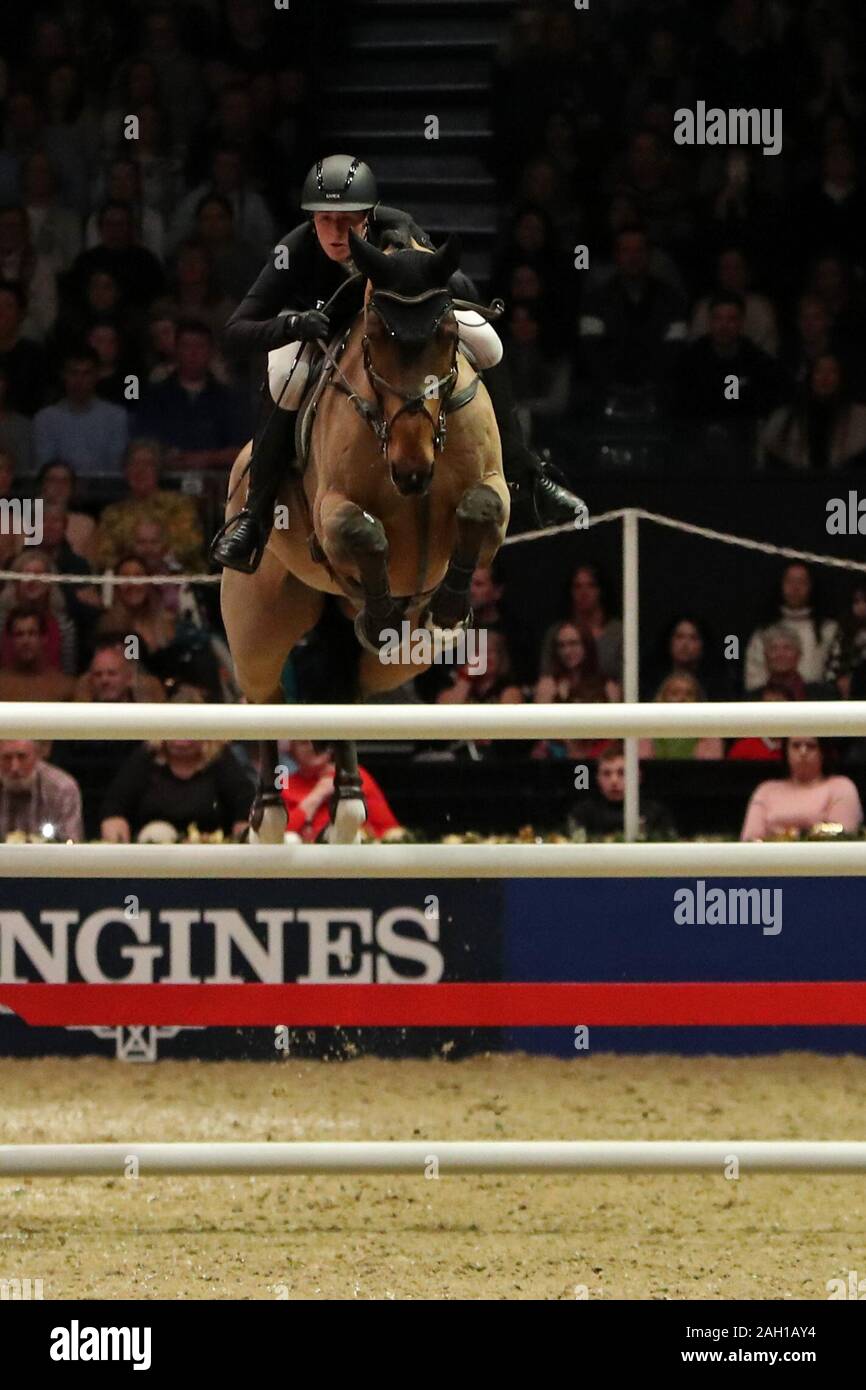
x=542 y=184
x=50 y=600
x=761 y=749
x=62 y=559
x=824 y=430
x=81 y=429
x=734 y=275
x=529 y=240
x=72 y=127
x=160 y=348
x=491 y=610
x=16 y=431
x=174 y=512
x=235 y=264
x=570 y=671
x=602 y=812
x=114 y=372
x=679 y=690
x=198 y=297
x=114 y=676
x=123 y=185
x=178 y=75
x=782 y=647
x=98 y=300
x=136 y=270
x=686 y=647
x=139 y=610
x=832 y=213
x=21 y=359
x=704 y=386
x=848 y=652
x=56 y=482
x=589 y=606
x=794 y=606
x=621 y=215
x=54 y=228
x=309 y=789
x=811 y=338
x=34 y=274
x=25 y=671
x=539 y=378
x=833 y=281
x=252 y=220
x=633 y=325
x=36 y=798
x=182 y=782
x=135 y=91
x=192 y=414
x=487 y=681
x=807 y=797
x=651 y=178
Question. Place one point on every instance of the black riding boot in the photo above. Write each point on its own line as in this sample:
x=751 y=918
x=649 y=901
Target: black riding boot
x=529 y=477
x=240 y=543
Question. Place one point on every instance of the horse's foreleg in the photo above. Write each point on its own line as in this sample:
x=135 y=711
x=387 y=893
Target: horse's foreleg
x=348 y=807
x=481 y=522
x=357 y=548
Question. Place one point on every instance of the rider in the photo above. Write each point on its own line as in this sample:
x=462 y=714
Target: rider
x=284 y=307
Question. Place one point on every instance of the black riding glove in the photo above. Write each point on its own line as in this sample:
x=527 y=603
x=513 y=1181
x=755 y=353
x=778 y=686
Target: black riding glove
x=306 y=327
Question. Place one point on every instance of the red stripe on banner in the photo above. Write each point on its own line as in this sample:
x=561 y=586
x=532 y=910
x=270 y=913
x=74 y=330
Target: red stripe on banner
x=507 y=1005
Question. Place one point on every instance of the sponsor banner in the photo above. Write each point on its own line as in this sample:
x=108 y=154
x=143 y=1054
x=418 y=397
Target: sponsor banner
x=686 y=930
x=210 y=934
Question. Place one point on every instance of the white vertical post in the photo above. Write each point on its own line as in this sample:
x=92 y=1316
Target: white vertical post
x=630 y=671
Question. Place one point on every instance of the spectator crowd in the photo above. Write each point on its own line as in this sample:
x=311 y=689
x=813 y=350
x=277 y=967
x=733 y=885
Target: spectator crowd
x=151 y=155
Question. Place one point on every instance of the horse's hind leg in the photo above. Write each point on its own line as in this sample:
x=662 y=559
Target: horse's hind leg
x=481 y=521
x=266 y=614
x=348 y=807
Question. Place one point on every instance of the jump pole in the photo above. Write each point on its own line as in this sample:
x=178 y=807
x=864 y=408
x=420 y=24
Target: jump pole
x=424 y=1157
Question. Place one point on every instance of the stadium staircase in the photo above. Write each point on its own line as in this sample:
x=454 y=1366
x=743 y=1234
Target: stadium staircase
x=401 y=63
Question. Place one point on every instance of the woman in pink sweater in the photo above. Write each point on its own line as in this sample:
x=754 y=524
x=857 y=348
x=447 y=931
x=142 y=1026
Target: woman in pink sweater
x=805 y=798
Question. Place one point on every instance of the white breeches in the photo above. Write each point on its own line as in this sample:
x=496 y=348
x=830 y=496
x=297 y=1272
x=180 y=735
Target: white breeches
x=291 y=363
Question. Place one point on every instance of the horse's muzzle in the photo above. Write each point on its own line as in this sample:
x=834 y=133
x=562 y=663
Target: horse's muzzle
x=413 y=482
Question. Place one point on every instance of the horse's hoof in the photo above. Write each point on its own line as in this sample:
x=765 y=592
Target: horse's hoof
x=349 y=816
x=268 y=823
x=446 y=636
x=375 y=644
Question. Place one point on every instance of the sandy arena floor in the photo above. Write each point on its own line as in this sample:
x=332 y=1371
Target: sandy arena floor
x=671 y=1237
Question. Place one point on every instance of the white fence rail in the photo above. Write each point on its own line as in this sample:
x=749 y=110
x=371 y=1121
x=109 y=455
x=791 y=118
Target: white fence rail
x=731 y=1157
x=397 y=722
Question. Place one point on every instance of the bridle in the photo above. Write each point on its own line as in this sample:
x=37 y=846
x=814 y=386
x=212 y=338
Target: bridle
x=413 y=402
x=373 y=412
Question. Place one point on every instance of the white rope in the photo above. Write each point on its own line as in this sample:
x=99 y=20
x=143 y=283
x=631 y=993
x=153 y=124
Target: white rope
x=285 y=862
x=65 y=720
x=567 y=529
x=431 y=1157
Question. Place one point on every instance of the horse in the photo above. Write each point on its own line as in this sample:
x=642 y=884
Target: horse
x=400 y=497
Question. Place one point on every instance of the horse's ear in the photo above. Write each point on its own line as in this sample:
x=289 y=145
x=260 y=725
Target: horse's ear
x=370 y=260
x=447 y=259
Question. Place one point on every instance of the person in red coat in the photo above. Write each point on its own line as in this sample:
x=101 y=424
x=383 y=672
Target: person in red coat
x=307 y=794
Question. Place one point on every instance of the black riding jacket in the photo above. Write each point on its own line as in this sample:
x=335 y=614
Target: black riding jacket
x=309 y=281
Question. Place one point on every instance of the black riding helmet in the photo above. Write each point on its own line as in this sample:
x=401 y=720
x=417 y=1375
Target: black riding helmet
x=339 y=182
